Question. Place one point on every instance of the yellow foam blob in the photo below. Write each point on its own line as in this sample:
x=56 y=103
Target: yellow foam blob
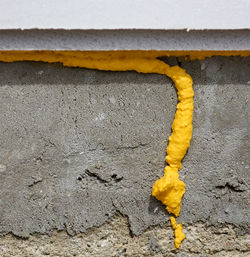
x=74 y=58
x=169 y=189
x=179 y=235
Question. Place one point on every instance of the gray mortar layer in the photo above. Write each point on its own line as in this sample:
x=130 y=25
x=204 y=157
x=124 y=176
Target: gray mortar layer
x=78 y=146
x=125 y=40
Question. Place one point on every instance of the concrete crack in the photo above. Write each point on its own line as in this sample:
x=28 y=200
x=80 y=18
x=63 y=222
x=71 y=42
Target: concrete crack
x=94 y=175
x=235 y=187
x=132 y=147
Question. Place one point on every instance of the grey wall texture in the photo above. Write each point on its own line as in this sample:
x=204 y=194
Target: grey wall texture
x=137 y=39
x=79 y=146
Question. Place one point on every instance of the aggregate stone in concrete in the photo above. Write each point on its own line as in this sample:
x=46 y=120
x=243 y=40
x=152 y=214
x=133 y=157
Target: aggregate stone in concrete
x=78 y=146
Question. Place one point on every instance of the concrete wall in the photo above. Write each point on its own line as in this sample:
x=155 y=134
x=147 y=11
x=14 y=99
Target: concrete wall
x=80 y=148
x=102 y=40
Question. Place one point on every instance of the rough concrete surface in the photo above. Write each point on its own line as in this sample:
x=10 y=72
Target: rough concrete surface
x=78 y=146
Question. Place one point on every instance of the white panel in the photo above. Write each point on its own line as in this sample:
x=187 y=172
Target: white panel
x=125 y=14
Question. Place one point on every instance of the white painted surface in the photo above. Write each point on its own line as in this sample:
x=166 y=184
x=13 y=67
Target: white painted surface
x=125 y=14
